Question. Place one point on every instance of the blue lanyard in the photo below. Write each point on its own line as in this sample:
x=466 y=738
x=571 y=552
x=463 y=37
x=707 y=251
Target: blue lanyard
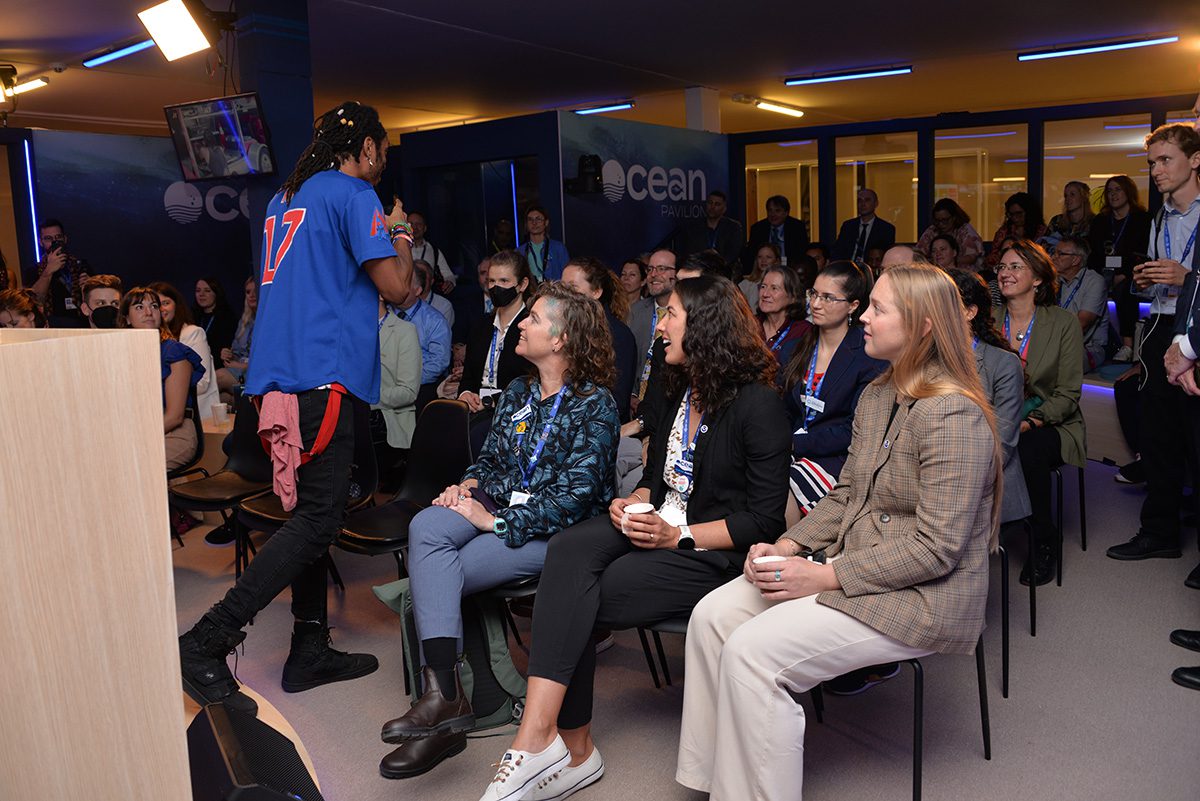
x=1186 y=249
x=810 y=413
x=689 y=443
x=493 y=356
x=777 y=340
x=1024 y=348
x=1071 y=297
x=211 y=317
x=653 y=328
x=975 y=343
x=527 y=471
x=542 y=257
x=1121 y=233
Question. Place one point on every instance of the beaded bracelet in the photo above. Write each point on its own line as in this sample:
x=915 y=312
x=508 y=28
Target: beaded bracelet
x=405 y=226
x=401 y=235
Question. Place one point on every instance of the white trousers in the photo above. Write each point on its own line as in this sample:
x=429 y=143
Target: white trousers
x=742 y=734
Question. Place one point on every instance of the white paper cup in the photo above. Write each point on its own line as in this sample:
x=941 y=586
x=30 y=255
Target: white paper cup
x=762 y=560
x=635 y=509
x=220 y=413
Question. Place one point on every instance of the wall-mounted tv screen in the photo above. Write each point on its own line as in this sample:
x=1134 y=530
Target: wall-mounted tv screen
x=221 y=137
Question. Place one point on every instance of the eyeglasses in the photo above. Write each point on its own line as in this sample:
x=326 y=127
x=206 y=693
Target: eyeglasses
x=814 y=296
x=535 y=219
x=1066 y=254
x=661 y=268
x=1011 y=268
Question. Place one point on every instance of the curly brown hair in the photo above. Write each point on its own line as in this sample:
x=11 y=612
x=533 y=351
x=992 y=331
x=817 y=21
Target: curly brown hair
x=722 y=343
x=589 y=346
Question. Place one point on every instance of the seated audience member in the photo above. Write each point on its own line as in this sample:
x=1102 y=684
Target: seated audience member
x=1022 y=220
x=1003 y=382
x=492 y=361
x=818 y=253
x=399 y=383
x=1049 y=341
x=236 y=357
x=1083 y=293
x=779 y=228
x=781 y=311
x=806 y=268
x=1076 y=216
x=864 y=232
x=19 y=309
x=767 y=256
x=547 y=257
x=212 y=313
x=177 y=317
x=504 y=236
x=590 y=277
x=645 y=315
x=874 y=260
x=56 y=280
x=181 y=371
x=427 y=252
x=448 y=389
x=822 y=381
x=943 y=250
x=1119 y=232
x=438 y=302
x=902 y=256
x=432 y=330
x=633 y=281
x=949 y=218
x=547 y=464
x=102 y=293
x=716 y=459
x=909 y=573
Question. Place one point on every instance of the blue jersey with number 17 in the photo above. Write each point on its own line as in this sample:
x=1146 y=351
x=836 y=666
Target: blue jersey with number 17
x=318 y=310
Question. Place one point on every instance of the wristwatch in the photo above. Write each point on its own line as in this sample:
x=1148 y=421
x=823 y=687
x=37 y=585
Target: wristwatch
x=500 y=526
x=686 y=541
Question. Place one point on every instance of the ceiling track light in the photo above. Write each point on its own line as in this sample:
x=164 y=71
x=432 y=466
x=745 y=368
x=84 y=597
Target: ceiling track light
x=25 y=86
x=619 y=106
x=1096 y=47
x=848 y=75
x=183 y=27
x=768 y=105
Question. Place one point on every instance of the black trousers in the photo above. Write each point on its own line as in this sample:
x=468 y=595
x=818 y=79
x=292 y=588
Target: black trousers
x=594 y=577
x=295 y=554
x=1041 y=452
x=1128 y=401
x=1169 y=433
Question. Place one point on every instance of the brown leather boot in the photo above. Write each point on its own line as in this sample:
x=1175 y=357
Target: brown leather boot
x=432 y=713
x=414 y=757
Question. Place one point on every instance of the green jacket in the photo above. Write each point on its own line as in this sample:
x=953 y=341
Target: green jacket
x=1054 y=373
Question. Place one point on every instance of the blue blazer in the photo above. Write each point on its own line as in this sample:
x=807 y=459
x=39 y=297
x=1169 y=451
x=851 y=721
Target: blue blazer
x=829 y=435
x=626 y=355
x=556 y=258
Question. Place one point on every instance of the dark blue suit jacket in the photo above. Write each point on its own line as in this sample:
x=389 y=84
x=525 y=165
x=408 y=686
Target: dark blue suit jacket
x=882 y=235
x=828 y=437
x=626 y=354
x=1187 y=309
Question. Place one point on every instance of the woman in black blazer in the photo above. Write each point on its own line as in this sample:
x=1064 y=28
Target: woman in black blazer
x=716 y=460
x=827 y=372
x=486 y=372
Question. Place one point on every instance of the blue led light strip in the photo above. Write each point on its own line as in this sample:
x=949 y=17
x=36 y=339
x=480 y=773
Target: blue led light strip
x=603 y=109
x=37 y=245
x=113 y=55
x=847 y=76
x=1083 y=50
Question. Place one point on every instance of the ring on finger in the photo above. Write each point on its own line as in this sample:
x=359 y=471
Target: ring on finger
x=778 y=577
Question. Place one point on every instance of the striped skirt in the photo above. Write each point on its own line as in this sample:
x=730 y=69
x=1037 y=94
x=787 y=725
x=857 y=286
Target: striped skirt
x=810 y=483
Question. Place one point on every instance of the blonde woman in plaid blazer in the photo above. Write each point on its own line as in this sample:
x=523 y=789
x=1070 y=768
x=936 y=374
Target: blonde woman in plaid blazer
x=907 y=529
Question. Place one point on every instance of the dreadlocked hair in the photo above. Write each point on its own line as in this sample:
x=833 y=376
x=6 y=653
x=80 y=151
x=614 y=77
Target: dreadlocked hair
x=338 y=136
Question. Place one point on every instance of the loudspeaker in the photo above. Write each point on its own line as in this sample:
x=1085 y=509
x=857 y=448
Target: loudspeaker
x=236 y=757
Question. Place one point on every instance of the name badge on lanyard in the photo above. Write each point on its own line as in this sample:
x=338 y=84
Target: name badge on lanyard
x=684 y=468
x=535 y=457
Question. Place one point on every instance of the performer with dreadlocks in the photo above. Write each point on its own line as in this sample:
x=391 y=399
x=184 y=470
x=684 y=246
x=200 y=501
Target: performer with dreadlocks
x=328 y=254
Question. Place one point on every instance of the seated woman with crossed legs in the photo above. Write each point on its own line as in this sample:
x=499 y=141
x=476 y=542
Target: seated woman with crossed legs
x=908 y=574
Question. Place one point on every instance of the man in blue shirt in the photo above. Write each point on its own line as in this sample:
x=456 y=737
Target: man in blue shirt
x=329 y=252
x=432 y=330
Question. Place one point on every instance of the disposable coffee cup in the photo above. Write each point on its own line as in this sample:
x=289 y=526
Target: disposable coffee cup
x=762 y=560
x=220 y=413
x=635 y=509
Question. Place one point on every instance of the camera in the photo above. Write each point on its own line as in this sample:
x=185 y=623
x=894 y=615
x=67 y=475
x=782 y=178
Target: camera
x=57 y=245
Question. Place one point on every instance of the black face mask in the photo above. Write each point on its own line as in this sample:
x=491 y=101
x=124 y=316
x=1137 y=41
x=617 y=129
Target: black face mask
x=502 y=295
x=105 y=317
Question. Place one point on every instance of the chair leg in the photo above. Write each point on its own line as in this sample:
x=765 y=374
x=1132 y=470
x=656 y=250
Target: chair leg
x=239 y=547
x=1004 y=620
x=918 y=724
x=662 y=658
x=1082 y=512
x=984 y=719
x=818 y=702
x=334 y=574
x=1032 y=584
x=649 y=658
x=400 y=571
x=1059 y=567
x=513 y=625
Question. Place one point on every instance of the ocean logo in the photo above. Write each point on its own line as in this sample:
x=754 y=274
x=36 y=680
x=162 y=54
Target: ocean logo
x=613 y=176
x=183 y=202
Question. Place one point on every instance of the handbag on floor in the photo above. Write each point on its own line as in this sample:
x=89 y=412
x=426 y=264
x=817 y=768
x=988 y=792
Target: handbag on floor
x=489 y=677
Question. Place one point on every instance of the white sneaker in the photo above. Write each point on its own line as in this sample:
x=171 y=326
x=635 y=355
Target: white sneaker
x=518 y=771
x=1125 y=354
x=569 y=780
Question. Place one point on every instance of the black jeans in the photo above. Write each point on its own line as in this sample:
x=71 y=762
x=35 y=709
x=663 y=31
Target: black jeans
x=1041 y=452
x=295 y=554
x=594 y=577
x=1170 y=432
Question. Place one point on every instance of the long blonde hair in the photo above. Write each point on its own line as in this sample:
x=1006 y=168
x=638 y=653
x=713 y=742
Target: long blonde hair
x=941 y=362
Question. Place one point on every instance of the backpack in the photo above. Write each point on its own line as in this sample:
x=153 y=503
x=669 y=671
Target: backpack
x=489 y=677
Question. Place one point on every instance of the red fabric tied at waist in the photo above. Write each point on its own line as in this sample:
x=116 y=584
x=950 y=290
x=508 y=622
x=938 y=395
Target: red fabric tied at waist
x=279 y=429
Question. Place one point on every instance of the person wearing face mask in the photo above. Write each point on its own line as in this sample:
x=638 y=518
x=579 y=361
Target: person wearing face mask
x=100 y=298
x=547 y=257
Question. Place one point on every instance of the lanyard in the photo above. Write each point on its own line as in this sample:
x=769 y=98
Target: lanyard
x=527 y=472
x=1024 y=347
x=653 y=337
x=689 y=443
x=493 y=356
x=1119 y=234
x=975 y=343
x=813 y=392
x=211 y=317
x=540 y=258
x=1186 y=248
x=1071 y=297
x=780 y=336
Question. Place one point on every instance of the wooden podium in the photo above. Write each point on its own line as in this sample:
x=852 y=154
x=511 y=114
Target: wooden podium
x=91 y=690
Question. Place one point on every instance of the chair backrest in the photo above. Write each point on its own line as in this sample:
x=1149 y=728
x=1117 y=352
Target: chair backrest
x=365 y=472
x=440 y=451
x=246 y=455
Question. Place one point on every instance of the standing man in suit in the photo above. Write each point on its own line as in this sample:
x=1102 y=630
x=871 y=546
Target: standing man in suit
x=864 y=232
x=716 y=232
x=780 y=228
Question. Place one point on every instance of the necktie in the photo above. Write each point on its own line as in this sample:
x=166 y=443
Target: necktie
x=649 y=357
x=861 y=245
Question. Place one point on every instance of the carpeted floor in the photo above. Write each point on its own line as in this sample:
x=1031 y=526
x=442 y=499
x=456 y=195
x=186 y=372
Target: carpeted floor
x=1092 y=712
